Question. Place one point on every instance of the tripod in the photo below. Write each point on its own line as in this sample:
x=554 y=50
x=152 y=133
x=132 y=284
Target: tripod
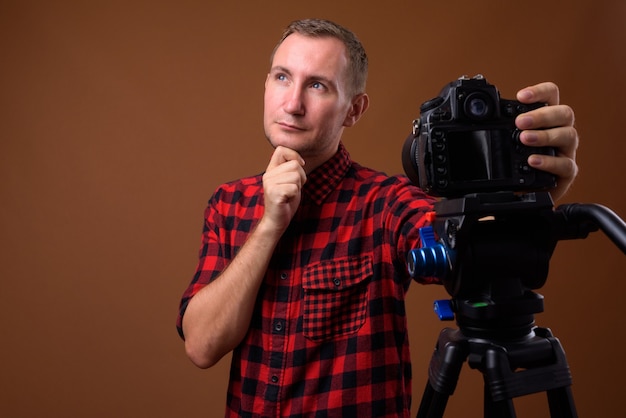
x=493 y=249
x=538 y=356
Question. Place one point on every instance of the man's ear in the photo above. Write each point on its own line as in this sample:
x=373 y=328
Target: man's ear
x=360 y=103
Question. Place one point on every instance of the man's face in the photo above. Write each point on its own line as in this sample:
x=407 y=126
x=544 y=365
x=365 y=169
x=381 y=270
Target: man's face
x=307 y=99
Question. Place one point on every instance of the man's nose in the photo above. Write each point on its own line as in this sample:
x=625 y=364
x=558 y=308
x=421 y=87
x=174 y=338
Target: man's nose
x=294 y=103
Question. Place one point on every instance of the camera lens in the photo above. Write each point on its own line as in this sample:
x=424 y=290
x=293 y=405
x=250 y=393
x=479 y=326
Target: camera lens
x=477 y=106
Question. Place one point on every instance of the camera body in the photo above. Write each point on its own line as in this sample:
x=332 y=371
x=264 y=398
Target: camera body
x=465 y=142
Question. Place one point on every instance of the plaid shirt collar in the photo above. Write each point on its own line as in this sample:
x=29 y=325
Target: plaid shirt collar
x=325 y=178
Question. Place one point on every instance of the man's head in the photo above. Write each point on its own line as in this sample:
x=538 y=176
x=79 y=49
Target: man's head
x=315 y=88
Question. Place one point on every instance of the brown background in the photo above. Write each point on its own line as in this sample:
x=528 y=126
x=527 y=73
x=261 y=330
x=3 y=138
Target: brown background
x=119 y=118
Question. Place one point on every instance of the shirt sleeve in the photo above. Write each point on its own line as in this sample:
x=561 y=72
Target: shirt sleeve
x=408 y=214
x=212 y=257
x=230 y=215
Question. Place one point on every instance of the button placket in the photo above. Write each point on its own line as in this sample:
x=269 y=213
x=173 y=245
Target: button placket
x=278 y=329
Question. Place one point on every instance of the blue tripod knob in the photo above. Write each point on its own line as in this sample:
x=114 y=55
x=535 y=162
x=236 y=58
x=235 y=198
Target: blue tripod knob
x=431 y=260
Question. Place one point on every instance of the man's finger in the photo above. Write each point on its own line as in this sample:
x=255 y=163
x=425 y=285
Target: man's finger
x=282 y=155
x=547 y=92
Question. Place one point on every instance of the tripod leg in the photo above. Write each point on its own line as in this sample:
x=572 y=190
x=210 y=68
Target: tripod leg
x=450 y=353
x=433 y=403
x=561 y=403
x=497 y=409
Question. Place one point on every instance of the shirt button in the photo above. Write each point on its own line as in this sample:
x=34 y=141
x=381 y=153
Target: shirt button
x=278 y=326
x=337 y=282
x=283 y=276
x=274 y=379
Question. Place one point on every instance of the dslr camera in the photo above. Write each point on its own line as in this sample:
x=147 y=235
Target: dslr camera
x=465 y=142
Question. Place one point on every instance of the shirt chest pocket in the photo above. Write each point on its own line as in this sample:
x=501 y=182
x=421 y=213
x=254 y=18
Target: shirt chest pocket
x=335 y=297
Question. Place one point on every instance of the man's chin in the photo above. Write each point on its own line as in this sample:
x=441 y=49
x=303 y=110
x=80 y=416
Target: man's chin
x=286 y=142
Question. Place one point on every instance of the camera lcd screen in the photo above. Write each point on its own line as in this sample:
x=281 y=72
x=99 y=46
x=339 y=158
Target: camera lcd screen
x=479 y=155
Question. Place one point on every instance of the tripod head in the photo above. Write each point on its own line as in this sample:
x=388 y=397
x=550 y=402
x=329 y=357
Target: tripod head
x=492 y=250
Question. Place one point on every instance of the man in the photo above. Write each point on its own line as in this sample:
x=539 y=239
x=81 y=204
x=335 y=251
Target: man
x=302 y=270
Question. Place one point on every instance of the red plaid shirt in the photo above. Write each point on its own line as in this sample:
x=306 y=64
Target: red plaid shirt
x=329 y=335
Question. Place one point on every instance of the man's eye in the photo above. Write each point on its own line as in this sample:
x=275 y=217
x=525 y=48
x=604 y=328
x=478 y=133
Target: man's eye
x=281 y=77
x=317 y=85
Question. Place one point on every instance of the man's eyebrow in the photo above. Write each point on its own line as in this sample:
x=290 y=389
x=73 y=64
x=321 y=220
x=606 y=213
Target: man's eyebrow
x=280 y=69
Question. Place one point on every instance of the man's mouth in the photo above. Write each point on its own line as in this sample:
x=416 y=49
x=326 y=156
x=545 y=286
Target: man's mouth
x=289 y=126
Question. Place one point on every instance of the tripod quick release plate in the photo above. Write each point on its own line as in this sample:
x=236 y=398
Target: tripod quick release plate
x=443 y=309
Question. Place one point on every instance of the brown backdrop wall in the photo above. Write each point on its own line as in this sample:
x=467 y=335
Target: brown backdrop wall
x=119 y=118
